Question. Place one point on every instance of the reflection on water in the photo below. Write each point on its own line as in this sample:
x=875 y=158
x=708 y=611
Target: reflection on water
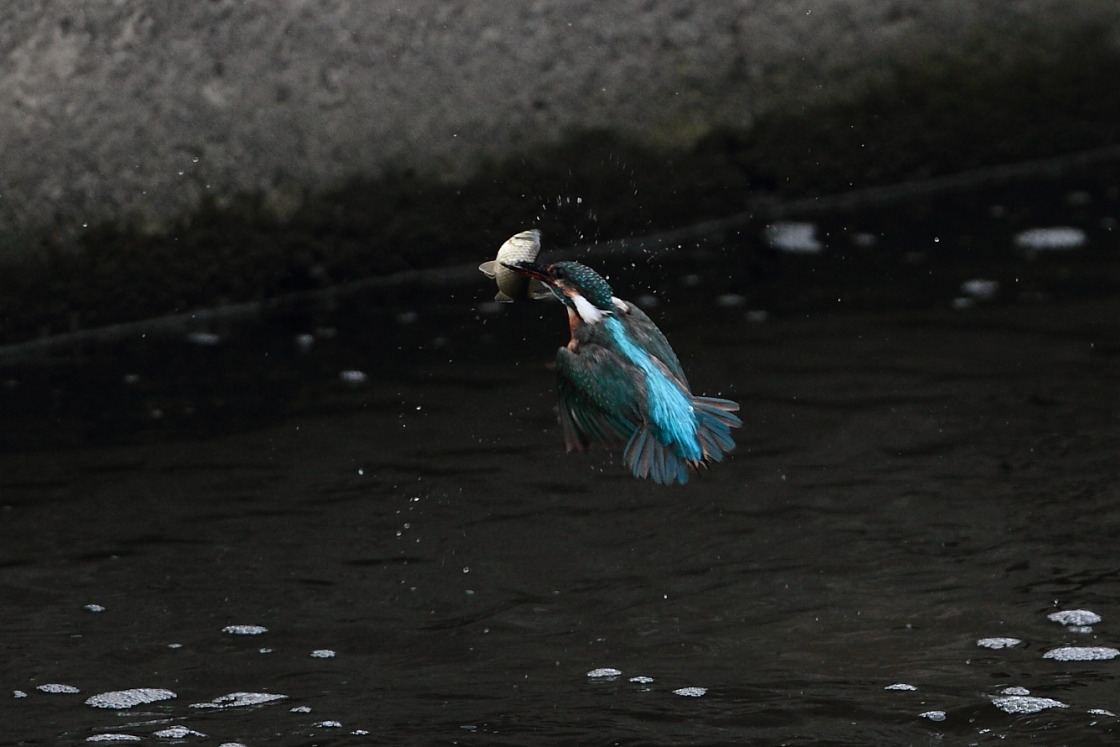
x=244 y=541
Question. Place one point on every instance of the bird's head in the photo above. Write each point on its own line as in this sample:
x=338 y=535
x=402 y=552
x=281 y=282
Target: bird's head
x=578 y=286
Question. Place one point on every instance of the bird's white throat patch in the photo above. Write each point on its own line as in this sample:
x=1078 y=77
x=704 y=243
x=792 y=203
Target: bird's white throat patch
x=588 y=312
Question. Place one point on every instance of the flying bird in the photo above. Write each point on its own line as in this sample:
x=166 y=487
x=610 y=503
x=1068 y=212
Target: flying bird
x=621 y=383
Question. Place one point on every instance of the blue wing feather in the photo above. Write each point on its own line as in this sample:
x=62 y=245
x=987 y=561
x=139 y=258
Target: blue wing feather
x=621 y=382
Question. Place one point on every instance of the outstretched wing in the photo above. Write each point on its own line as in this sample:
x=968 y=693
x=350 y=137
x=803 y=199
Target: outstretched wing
x=599 y=396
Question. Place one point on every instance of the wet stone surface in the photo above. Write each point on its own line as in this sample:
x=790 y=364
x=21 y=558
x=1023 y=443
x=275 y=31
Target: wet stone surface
x=188 y=527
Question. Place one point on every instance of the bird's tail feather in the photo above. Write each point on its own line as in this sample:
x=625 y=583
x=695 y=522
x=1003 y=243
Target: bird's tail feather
x=714 y=420
x=646 y=456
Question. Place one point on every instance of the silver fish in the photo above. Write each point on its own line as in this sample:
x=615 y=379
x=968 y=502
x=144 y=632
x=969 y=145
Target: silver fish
x=522 y=247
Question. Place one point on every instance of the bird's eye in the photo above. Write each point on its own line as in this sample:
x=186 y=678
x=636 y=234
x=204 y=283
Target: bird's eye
x=559 y=273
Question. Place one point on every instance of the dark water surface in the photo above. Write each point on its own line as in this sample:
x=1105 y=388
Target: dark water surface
x=910 y=479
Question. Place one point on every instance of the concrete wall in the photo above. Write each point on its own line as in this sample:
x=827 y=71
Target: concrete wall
x=111 y=108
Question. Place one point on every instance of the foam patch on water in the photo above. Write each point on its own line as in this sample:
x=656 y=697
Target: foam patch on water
x=1019 y=704
x=1015 y=690
x=93 y=608
x=980 y=289
x=793 y=237
x=1101 y=712
x=641 y=679
x=1082 y=653
x=353 y=377
x=178 y=732
x=900 y=686
x=114 y=738
x=203 y=338
x=1076 y=618
x=245 y=629
x=322 y=653
x=933 y=715
x=999 y=642
x=128 y=698
x=55 y=687
x=237 y=700
x=1056 y=238
x=691 y=692
x=304 y=342
x=603 y=672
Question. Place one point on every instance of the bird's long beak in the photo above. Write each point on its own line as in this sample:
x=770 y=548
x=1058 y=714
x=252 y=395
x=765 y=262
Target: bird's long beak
x=531 y=270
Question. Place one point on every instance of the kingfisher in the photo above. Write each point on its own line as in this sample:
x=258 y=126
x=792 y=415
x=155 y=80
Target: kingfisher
x=621 y=383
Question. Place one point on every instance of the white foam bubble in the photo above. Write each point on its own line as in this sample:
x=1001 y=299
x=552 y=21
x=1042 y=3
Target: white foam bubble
x=245 y=629
x=1074 y=617
x=641 y=679
x=998 y=642
x=691 y=692
x=1018 y=704
x=19 y=694
x=93 y=608
x=603 y=672
x=114 y=738
x=793 y=237
x=178 y=732
x=933 y=715
x=900 y=686
x=1055 y=238
x=128 y=698
x=55 y=687
x=237 y=700
x=203 y=338
x=322 y=653
x=329 y=724
x=353 y=377
x=1082 y=653
x=980 y=289
x=757 y=316
x=1015 y=690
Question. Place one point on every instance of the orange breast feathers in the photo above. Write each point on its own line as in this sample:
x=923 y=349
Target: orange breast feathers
x=573 y=322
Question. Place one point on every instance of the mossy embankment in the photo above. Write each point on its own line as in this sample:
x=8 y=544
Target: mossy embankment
x=1005 y=100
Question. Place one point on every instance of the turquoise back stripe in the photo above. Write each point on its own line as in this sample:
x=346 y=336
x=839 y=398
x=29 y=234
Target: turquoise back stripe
x=670 y=409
